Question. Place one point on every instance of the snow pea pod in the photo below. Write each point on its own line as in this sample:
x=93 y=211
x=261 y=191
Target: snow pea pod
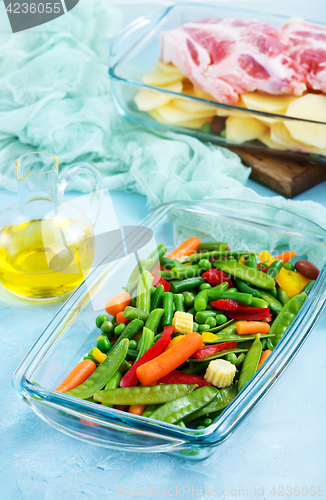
x=234 y=336
x=286 y=317
x=144 y=395
x=222 y=399
x=250 y=275
x=102 y=374
x=275 y=305
x=250 y=364
x=177 y=410
x=243 y=287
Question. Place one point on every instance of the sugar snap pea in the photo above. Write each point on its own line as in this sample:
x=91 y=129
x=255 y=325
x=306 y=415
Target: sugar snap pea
x=273 y=303
x=149 y=410
x=252 y=276
x=243 y=287
x=102 y=374
x=286 y=317
x=135 y=313
x=144 y=395
x=132 y=354
x=168 y=309
x=250 y=364
x=221 y=400
x=169 y=264
x=157 y=297
x=174 y=411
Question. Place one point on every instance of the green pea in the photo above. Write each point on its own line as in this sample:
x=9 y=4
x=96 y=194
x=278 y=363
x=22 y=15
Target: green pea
x=119 y=329
x=289 y=266
x=221 y=319
x=204 y=328
x=133 y=344
x=211 y=322
x=200 y=427
x=100 y=320
x=106 y=327
x=204 y=286
x=195 y=327
x=207 y=422
x=101 y=337
x=231 y=357
x=189 y=299
x=204 y=264
x=104 y=345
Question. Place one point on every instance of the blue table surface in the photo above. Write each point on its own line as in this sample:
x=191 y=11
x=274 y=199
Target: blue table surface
x=282 y=443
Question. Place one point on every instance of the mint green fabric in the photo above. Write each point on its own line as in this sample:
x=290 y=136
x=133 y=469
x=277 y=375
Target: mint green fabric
x=55 y=97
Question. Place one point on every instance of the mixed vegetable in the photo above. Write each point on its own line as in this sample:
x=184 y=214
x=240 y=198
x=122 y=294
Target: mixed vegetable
x=190 y=331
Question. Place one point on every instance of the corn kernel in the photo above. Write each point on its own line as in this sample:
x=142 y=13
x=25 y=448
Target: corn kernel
x=183 y=322
x=220 y=373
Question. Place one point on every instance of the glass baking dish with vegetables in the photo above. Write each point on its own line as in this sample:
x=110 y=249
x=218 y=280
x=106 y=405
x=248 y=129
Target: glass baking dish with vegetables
x=175 y=346
x=232 y=76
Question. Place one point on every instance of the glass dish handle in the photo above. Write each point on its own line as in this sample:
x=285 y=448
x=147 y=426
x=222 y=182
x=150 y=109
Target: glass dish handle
x=95 y=186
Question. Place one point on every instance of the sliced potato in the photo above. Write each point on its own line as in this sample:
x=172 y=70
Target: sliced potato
x=268 y=141
x=147 y=99
x=194 y=107
x=203 y=95
x=280 y=135
x=169 y=68
x=173 y=114
x=244 y=129
x=269 y=103
x=309 y=107
x=195 y=123
x=156 y=76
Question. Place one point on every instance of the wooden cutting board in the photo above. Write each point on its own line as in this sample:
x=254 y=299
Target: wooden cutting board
x=284 y=174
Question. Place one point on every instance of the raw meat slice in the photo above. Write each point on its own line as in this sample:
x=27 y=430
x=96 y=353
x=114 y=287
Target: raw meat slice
x=308 y=49
x=227 y=57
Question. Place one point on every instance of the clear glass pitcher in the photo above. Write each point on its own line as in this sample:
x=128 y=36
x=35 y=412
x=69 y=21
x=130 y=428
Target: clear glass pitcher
x=47 y=245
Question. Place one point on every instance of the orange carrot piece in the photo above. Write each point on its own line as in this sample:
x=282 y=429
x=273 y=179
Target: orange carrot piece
x=121 y=319
x=77 y=376
x=186 y=248
x=118 y=303
x=263 y=358
x=251 y=327
x=286 y=256
x=137 y=409
x=169 y=360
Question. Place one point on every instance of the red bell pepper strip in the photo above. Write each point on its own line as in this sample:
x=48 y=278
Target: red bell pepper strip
x=211 y=350
x=236 y=310
x=216 y=277
x=177 y=377
x=130 y=378
x=160 y=281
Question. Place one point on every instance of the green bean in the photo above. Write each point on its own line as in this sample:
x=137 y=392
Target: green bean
x=124 y=367
x=192 y=311
x=168 y=309
x=273 y=293
x=286 y=317
x=275 y=268
x=157 y=297
x=166 y=275
x=215 y=255
x=135 y=313
x=145 y=283
x=244 y=298
x=243 y=287
x=186 y=272
x=174 y=411
x=252 y=276
x=201 y=300
x=157 y=254
x=219 y=354
x=250 y=364
x=154 y=319
x=221 y=400
x=99 y=378
x=189 y=299
x=113 y=383
x=309 y=286
x=168 y=263
x=283 y=296
x=195 y=368
x=179 y=300
x=201 y=316
x=251 y=261
x=144 y=395
x=129 y=332
x=185 y=285
x=269 y=344
x=204 y=286
x=211 y=246
x=158 y=336
x=132 y=354
x=146 y=341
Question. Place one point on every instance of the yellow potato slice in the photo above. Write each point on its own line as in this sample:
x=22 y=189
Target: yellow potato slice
x=281 y=136
x=268 y=141
x=309 y=107
x=195 y=123
x=194 y=107
x=147 y=99
x=156 y=76
x=203 y=95
x=168 y=68
x=172 y=114
x=244 y=129
x=269 y=103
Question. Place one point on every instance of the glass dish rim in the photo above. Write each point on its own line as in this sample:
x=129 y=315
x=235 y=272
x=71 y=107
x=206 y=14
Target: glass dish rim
x=163 y=13
x=225 y=424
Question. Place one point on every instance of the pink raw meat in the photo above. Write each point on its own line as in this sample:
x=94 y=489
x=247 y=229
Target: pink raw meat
x=308 y=49
x=227 y=57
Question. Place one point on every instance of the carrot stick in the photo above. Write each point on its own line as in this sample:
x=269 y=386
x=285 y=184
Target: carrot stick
x=186 y=248
x=169 y=360
x=118 y=303
x=263 y=358
x=251 y=327
x=286 y=256
x=137 y=409
x=120 y=318
x=77 y=376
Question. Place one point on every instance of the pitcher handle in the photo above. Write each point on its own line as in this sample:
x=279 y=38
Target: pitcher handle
x=95 y=182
